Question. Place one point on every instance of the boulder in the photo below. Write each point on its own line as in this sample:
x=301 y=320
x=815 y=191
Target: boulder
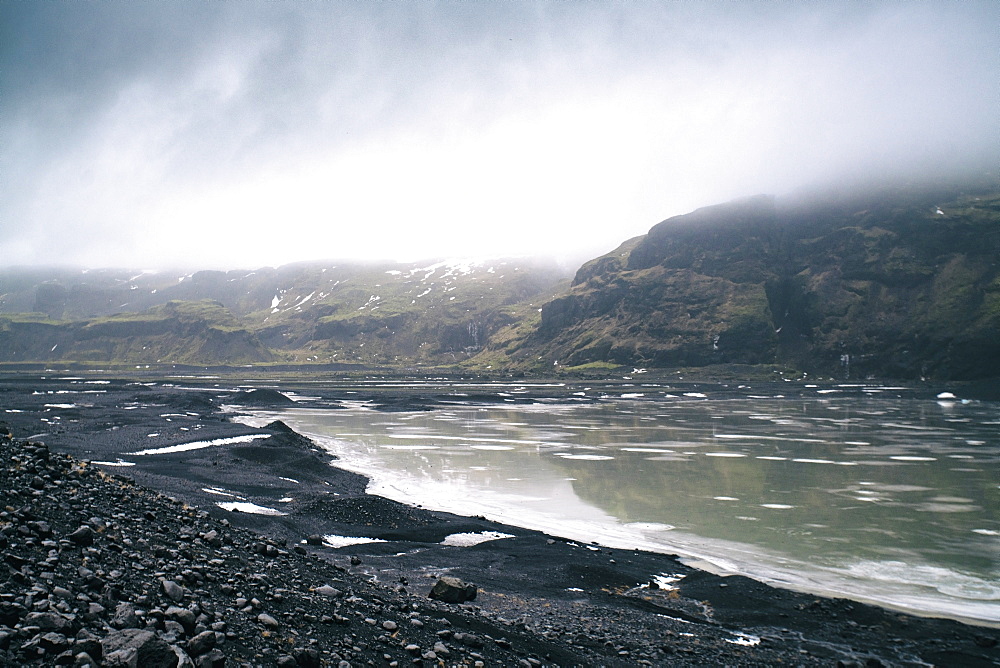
x=133 y=648
x=452 y=590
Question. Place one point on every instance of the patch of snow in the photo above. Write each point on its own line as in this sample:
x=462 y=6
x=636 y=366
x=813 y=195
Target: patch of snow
x=219 y=492
x=744 y=639
x=470 y=539
x=305 y=299
x=197 y=445
x=120 y=462
x=247 y=507
x=333 y=540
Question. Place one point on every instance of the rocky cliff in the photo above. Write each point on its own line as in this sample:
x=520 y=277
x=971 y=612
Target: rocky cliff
x=900 y=284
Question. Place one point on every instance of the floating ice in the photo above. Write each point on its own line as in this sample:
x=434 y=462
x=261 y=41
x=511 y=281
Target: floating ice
x=411 y=447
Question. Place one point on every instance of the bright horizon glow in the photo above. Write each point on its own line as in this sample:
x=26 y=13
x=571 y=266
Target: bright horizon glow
x=220 y=136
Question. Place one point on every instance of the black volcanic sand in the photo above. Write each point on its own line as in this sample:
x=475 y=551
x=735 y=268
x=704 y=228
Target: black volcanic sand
x=541 y=600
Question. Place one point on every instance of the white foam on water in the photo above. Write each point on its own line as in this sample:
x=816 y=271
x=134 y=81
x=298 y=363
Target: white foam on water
x=649 y=450
x=944 y=580
x=491 y=447
x=912 y=458
x=650 y=526
x=585 y=458
x=724 y=454
x=725 y=498
x=776 y=506
x=247 y=507
x=411 y=447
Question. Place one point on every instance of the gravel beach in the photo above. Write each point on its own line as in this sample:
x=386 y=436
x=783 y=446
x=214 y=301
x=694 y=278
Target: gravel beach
x=226 y=555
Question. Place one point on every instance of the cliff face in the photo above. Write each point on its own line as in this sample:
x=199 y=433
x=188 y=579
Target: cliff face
x=897 y=285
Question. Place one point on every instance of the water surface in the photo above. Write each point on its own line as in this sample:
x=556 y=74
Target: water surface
x=868 y=496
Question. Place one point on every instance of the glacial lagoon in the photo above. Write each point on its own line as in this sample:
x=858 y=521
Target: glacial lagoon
x=863 y=492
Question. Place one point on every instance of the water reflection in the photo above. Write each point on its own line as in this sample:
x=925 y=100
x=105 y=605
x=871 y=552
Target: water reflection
x=891 y=499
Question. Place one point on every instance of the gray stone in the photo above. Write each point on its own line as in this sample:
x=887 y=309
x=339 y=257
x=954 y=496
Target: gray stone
x=452 y=590
x=213 y=659
x=306 y=657
x=182 y=616
x=267 y=620
x=174 y=591
x=83 y=536
x=201 y=643
x=134 y=648
x=125 y=617
x=49 y=621
x=327 y=590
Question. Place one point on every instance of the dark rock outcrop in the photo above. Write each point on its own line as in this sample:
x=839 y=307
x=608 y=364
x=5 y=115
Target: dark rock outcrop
x=897 y=284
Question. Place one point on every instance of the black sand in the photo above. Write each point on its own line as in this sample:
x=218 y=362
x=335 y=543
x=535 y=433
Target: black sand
x=541 y=600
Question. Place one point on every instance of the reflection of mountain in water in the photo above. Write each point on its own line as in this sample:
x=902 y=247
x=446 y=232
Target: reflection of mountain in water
x=826 y=501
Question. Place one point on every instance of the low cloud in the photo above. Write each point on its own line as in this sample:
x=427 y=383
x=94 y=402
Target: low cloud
x=236 y=134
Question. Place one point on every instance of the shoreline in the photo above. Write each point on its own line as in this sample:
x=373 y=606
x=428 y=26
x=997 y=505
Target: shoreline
x=528 y=581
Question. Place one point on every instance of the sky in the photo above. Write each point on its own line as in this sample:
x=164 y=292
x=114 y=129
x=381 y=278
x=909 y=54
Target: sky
x=225 y=134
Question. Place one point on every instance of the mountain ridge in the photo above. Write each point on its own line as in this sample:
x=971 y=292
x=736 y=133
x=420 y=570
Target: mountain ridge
x=896 y=283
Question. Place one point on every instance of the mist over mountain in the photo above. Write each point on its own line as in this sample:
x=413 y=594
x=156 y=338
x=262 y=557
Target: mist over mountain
x=900 y=282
